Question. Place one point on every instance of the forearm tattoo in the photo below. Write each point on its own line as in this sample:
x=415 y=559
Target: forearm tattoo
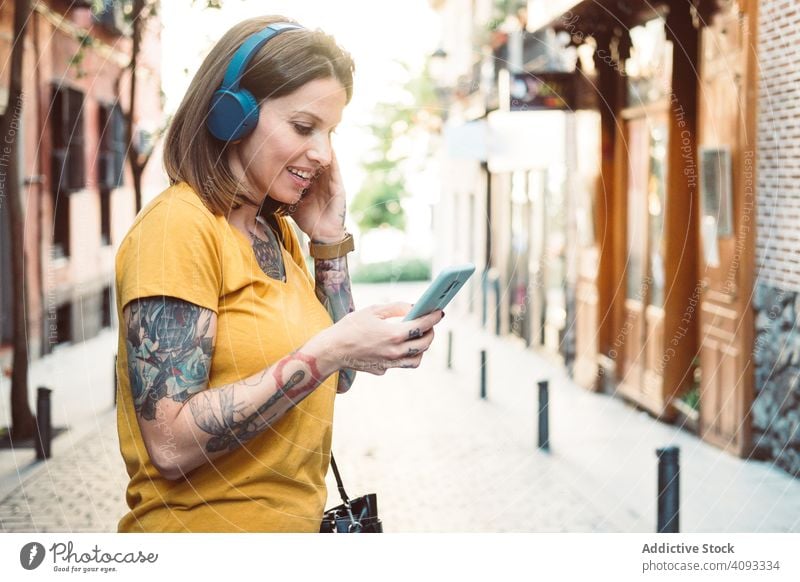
x=169 y=351
x=334 y=292
x=170 y=344
x=232 y=421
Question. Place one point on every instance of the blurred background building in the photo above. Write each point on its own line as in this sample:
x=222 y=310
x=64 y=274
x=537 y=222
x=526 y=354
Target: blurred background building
x=625 y=175
x=76 y=180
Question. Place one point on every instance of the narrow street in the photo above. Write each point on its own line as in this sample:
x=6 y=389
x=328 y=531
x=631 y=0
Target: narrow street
x=440 y=458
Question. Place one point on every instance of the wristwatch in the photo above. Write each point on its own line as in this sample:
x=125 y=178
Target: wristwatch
x=332 y=250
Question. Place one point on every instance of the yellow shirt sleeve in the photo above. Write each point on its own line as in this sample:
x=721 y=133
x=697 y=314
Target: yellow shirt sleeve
x=172 y=250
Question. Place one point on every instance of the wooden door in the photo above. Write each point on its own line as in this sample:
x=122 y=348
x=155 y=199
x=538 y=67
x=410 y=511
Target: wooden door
x=585 y=164
x=727 y=181
x=641 y=334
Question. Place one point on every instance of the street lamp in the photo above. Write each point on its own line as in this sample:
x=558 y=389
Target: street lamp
x=438 y=68
x=438 y=71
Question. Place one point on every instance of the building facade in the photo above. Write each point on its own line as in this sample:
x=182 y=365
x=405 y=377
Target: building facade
x=78 y=198
x=641 y=204
x=776 y=216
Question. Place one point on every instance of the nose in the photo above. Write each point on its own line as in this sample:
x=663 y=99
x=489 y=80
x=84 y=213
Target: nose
x=319 y=150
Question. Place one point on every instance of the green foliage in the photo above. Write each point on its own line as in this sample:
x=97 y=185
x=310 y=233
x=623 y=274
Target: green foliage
x=692 y=397
x=84 y=41
x=393 y=271
x=503 y=8
x=377 y=204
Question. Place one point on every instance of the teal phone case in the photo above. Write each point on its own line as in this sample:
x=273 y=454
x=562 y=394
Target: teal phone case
x=441 y=291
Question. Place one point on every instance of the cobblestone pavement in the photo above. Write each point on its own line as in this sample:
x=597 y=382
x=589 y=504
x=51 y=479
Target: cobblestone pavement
x=80 y=489
x=441 y=459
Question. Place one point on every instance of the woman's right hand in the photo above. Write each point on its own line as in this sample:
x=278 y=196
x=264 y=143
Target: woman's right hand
x=375 y=339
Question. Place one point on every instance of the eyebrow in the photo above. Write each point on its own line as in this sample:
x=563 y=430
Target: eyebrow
x=317 y=117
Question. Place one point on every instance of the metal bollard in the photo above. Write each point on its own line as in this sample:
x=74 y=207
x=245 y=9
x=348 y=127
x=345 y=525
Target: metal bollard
x=544 y=409
x=449 y=349
x=483 y=374
x=668 y=490
x=497 y=305
x=44 y=430
x=115 y=380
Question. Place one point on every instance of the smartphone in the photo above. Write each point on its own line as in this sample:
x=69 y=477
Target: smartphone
x=441 y=291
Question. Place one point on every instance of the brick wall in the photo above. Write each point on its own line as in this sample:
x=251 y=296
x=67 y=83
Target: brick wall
x=778 y=245
x=776 y=350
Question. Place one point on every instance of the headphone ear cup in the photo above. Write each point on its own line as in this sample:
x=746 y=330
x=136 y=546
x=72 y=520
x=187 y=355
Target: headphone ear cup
x=232 y=114
x=250 y=112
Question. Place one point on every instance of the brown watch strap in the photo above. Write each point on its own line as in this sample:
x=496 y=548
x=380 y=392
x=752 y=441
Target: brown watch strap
x=332 y=250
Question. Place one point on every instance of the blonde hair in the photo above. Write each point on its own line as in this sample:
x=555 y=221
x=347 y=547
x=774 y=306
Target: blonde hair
x=282 y=65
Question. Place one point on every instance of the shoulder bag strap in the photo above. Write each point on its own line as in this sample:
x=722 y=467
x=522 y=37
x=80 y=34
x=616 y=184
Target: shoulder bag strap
x=339 y=483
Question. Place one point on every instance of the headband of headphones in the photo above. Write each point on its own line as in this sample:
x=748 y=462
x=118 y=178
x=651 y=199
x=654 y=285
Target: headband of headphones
x=233 y=113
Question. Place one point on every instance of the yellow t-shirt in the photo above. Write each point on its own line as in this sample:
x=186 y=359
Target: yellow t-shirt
x=276 y=481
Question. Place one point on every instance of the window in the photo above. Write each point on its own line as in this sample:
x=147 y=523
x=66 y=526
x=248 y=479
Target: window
x=68 y=172
x=105 y=217
x=649 y=68
x=111 y=149
x=64 y=323
x=110 y=14
x=66 y=117
x=110 y=162
x=6 y=308
x=105 y=316
x=60 y=226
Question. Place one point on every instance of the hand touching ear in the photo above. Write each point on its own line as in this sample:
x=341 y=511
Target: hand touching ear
x=322 y=209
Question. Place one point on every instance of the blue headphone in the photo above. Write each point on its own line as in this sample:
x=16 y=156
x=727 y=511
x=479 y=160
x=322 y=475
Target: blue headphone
x=234 y=111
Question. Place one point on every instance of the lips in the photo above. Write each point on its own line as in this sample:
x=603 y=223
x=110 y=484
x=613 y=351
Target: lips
x=301 y=182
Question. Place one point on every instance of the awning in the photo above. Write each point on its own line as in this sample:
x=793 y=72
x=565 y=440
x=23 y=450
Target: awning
x=467 y=141
x=525 y=140
x=510 y=140
x=586 y=16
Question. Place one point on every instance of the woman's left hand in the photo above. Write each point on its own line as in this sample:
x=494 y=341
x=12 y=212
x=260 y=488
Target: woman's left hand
x=321 y=211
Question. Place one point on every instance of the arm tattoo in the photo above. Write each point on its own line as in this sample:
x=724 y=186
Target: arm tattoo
x=334 y=292
x=231 y=421
x=168 y=349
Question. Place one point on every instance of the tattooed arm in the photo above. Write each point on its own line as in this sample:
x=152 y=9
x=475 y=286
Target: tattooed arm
x=185 y=424
x=334 y=292
x=169 y=349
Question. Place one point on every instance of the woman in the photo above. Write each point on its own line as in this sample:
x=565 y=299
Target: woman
x=233 y=354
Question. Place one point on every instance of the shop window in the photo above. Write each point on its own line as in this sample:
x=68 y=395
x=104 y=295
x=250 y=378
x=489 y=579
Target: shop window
x=716 y=190
x=656 y=202
x=645 y=268
x=638 y=178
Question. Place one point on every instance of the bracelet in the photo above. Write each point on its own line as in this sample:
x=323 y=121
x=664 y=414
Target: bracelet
x=332 y=250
